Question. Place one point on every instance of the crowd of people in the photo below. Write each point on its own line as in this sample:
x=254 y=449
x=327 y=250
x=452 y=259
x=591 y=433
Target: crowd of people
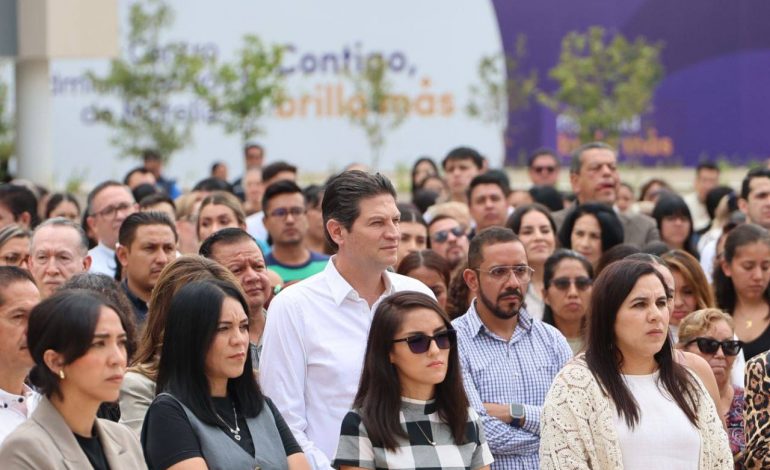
x=465 y=325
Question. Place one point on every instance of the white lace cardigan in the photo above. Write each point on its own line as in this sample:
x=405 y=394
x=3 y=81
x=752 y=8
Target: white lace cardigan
x=577 y=430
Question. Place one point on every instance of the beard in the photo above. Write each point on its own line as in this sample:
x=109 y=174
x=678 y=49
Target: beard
x=497 y=310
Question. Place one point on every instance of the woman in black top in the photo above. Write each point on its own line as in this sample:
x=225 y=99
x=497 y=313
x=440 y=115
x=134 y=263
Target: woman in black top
x=210 y=412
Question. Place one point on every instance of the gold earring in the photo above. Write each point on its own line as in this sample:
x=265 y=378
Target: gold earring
x=61 y=374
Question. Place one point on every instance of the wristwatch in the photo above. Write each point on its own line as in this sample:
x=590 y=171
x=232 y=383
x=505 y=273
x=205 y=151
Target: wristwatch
x=517 y=413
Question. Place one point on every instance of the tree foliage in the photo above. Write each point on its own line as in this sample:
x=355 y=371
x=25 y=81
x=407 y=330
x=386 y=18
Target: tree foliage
x=147 y=79
x=604 y=81
x=247 y=89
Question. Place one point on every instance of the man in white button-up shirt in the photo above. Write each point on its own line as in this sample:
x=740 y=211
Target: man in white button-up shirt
x=316 y=331
x=18 y=295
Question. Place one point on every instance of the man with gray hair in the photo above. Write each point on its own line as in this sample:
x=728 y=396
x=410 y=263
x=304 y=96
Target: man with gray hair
x=58 y=251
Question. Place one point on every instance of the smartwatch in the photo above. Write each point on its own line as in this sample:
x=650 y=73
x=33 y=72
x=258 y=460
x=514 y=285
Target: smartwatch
x=517 y=413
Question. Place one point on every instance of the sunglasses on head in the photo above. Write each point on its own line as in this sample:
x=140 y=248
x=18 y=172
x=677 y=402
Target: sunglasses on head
x=544 y=169
x=420 y=342
x=563 y=283
x=730 y=347
x=443 y=235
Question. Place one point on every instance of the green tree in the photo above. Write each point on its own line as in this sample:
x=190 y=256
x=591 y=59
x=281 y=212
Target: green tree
x=247 y=89
x=502 y=88
x=376 y=108
x=604 y=81
x=146 y=81
x=6 y=127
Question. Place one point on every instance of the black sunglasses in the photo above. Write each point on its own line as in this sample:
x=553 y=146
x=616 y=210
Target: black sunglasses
x=420 y=343
x=730 y=347
x=563 y=283
x=443 y=235
x=544 y=169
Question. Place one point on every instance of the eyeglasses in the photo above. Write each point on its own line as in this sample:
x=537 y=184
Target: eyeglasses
x=110 y=212
x=443 y=235
x=283 y=212
x=420 y=343
x=15 y=259
x=730 y=347
x=543 y=169
x=563 y=283
x=522 y=272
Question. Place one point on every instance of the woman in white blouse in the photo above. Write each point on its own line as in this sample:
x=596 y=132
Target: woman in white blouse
x=625 y=403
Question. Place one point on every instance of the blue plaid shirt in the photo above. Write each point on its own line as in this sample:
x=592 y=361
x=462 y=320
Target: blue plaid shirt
x=519 y=370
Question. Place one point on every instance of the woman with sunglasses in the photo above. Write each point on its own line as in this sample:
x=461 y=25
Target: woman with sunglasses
x=567 y=278
x=709 y=334
x=411 y=410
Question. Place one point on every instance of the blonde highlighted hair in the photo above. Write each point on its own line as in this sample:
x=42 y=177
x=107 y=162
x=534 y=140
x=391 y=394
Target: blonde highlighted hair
x=700 y=321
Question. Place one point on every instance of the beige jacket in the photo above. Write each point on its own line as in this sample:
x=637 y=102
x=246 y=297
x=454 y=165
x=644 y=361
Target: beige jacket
x=577 y=428
x=45 y=441
x=136 y=395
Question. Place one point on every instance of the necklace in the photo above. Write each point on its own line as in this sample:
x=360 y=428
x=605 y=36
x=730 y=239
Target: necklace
x=433 y=443
x=237 y=431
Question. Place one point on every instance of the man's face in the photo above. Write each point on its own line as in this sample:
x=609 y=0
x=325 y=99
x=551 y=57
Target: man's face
x=244 y=259
x=706 y=180
x=598 y=178
x=56 y=254
x=374 y=236
x=110 y=208
x=253 y=188
x=459 y=174
x=757 y=206
x=254 y=157
x=153 y=247
x=499 y=295
x=488 y=206
x=544 y=171
x=286 y=219
x=450 y=240
x=19 y=298
x=138 y=178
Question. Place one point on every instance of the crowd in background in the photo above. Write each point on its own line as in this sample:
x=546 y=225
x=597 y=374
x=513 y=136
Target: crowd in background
x=256 y=323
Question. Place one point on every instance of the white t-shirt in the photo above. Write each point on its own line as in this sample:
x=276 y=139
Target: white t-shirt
x=15 y=409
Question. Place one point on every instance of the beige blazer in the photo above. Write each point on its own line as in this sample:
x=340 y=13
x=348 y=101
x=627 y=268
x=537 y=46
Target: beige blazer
x=45 y=441
x=136 y=395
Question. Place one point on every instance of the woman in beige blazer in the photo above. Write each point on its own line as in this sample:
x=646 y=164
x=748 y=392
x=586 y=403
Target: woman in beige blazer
x=78 y=343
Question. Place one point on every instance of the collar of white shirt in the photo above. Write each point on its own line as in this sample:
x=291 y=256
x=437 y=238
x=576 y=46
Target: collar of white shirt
x=341 y=289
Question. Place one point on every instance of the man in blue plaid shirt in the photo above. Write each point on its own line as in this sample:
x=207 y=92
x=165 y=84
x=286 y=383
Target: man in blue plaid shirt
x=508 y=358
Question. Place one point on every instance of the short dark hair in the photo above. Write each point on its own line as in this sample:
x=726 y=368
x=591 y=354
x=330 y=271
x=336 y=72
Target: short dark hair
x=616 y=253
x=252 y=145
x=213 y=184
x=10 y=275
x=101 y=187
x=539 y=153
x=128 y=228
x=138 y=169
x=488 y=236
x=548 y=196
x=549 y=271
x=612 y=228
x=576 y=163
x=487 y=178
x=410 y=213
x=226 y=236
x=428 y=259
x=216 y=165
x=714 y=197
x=191 y=326
x=64 y=322
x=343 y=195
x=673 y=205
x=278 y=188
x=151 y=155
x=706 y=166
x=314 y=194
x=155 y=199
x=269 y=171
x=379 y=391
x=514 y=221
x=18 y=200
x=62 y=222
x=464 y=153
x=755 y=173
x=56 y=199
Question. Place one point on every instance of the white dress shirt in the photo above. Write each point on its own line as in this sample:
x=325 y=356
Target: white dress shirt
x=15 y=409
x=314 y=344
x=255 y=226
x=102 y=260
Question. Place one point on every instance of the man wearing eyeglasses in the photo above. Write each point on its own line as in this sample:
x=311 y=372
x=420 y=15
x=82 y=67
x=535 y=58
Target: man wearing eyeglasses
x=543 y=168
x=508 y=358
x=448 y=239
x=109 y=203
x=286 y=223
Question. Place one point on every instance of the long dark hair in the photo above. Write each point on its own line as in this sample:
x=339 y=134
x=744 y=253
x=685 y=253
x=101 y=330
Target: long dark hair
x=724 y=289
x=673 y=205
x=612 y=228
x=190 y=329
x=514 y=221
x=603 y=357
x=379 y=392
x=549 y=269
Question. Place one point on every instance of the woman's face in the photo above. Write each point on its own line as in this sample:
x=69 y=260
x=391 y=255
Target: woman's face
x=414 y=237
x=674 y=230
x=721 y=364
x=586 y=238
x=422 y=171
x=641 y=324
x=749 y=270
x=685 y=299
x=98 y=374
x=569 y=291
x=66 y=209
x=652 y=193
x=625 y=198
x=15 y=252
x=226 y=356
x=214 y=217
x=437 y=185
x=418 y=372
x=538 y=237
x=432 y=279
